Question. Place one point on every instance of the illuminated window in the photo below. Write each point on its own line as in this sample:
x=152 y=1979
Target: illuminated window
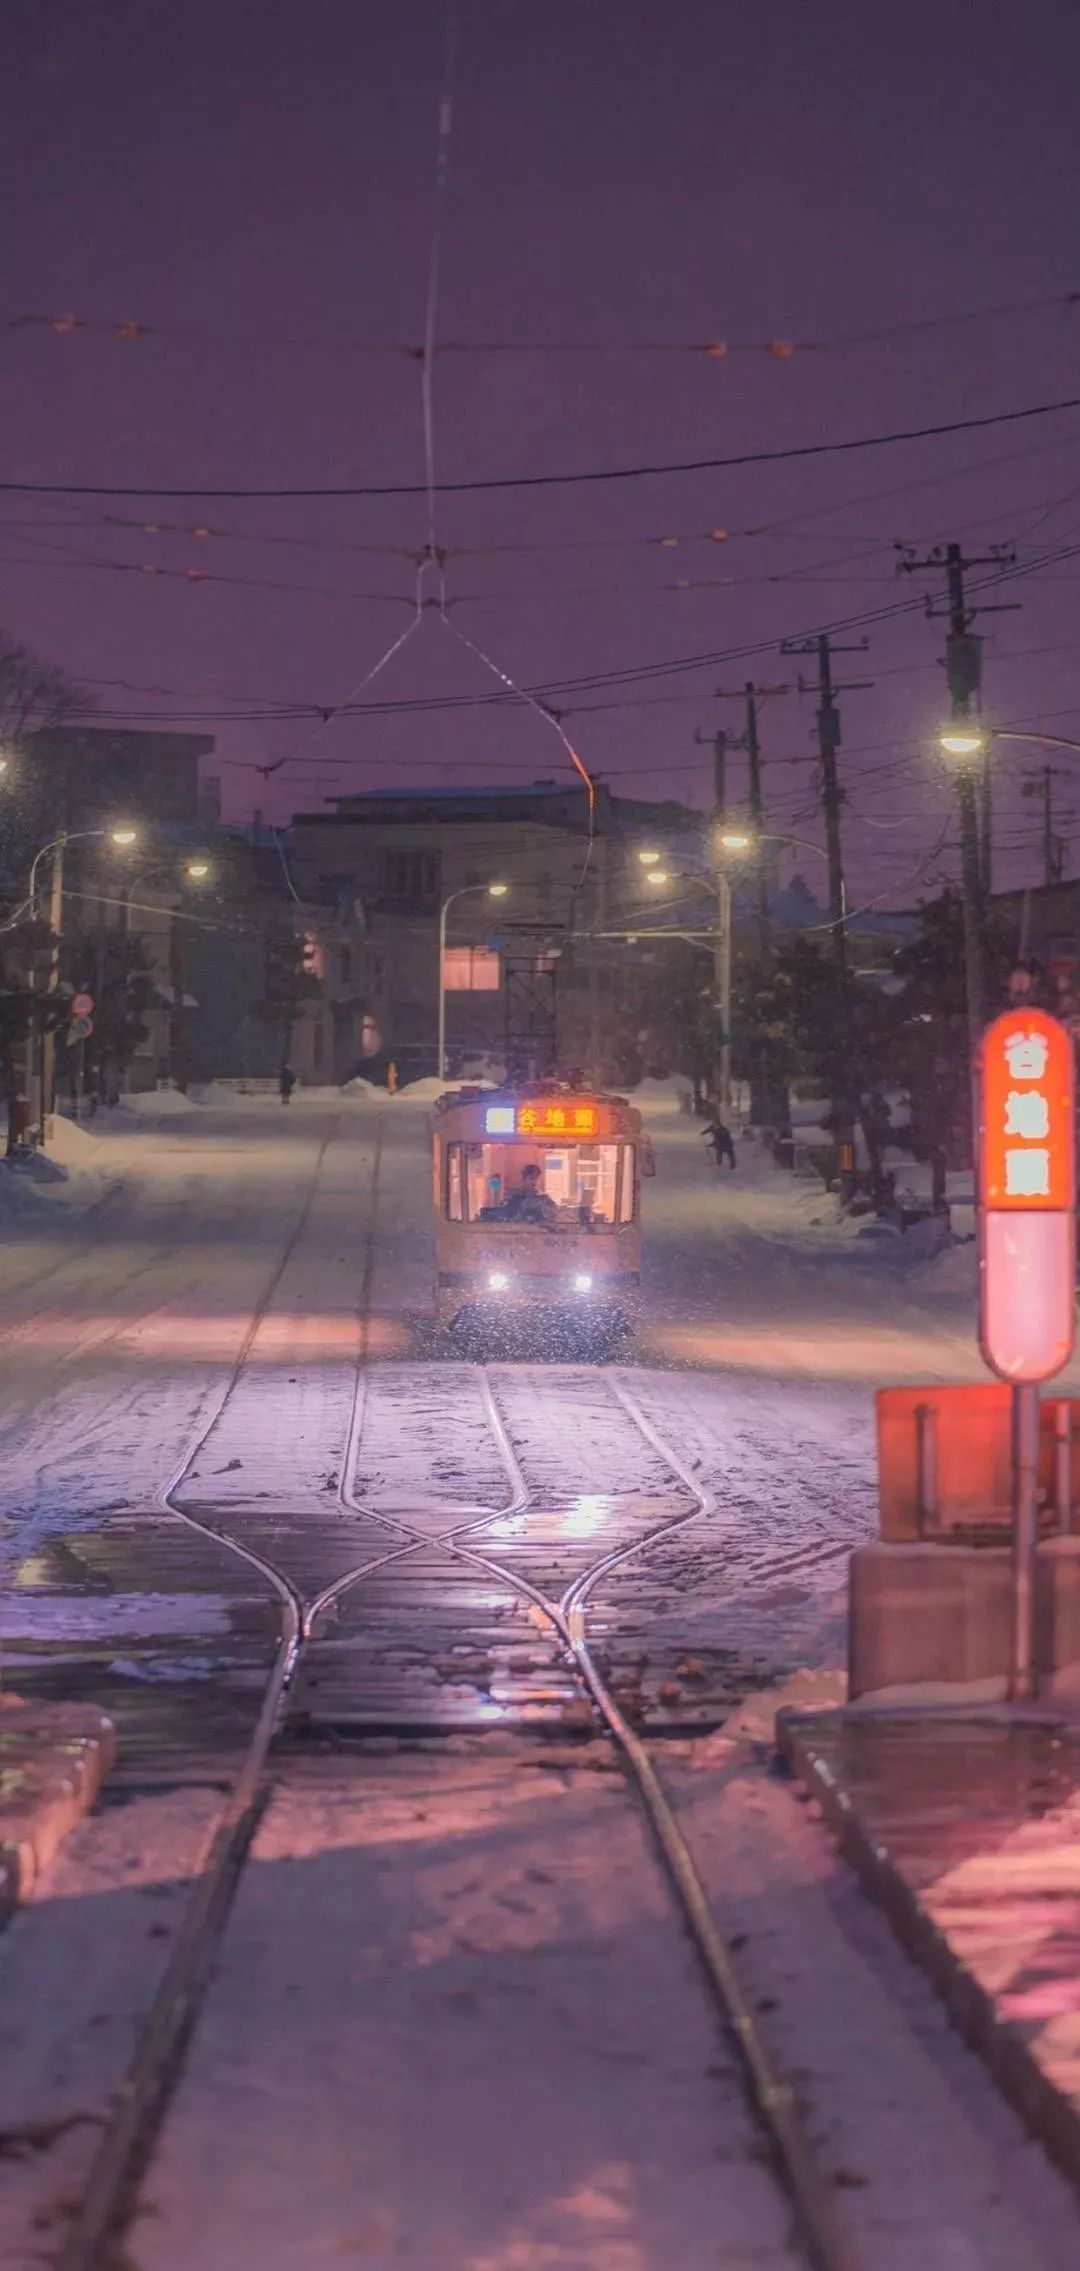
x=471 y=970
x=454 y=1201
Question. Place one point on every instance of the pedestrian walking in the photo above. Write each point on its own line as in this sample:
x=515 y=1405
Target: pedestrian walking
x=719 y=1138
x=286 y=1083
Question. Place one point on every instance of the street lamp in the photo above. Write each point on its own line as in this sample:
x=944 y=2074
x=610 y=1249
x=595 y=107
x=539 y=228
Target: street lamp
x=494 y=891
x=960 y=740
x=648 y=859
x=123 y=835
x=720 y=889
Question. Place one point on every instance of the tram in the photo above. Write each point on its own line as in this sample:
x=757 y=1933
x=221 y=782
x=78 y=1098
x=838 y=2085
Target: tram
x=538 y=1215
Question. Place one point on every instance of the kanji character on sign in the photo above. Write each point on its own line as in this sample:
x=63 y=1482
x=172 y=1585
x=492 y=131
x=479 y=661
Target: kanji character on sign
x=1026 y=1055
x=1027 y=1174
x=527 y=1118
x=1027 y=1115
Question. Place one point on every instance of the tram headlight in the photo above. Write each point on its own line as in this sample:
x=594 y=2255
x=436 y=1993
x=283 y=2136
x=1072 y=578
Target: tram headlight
x=583 y=1282
x=498 y=1281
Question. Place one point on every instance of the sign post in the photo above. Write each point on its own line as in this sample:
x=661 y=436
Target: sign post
x=1027 y=1258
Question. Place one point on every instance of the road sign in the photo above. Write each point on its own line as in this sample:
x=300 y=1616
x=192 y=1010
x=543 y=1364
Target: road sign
x=83 y=1005
x=1027 y=1260
x=1027 y=1195
x=81 y=1028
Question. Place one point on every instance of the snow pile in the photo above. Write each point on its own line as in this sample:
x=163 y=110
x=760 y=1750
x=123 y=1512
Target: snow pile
x=74 y=1171
x=72 y=1145
x=158 y=1104
x=358 y=1086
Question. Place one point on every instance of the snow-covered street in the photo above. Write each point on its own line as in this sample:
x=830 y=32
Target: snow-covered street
x=128 y=1295
x=451 y=1923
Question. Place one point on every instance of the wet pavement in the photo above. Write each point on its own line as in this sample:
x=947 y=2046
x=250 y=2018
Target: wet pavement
x=967 y=1830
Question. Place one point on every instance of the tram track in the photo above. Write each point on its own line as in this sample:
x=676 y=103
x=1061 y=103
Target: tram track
x=463 y=1534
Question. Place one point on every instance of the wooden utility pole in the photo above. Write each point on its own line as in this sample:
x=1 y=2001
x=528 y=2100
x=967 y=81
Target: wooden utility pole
x=829 y=739
x=1041 y=784
x=718 y=742
x=963 y=671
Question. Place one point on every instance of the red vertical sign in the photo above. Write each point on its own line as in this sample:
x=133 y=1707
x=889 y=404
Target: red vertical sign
x=1027 y=1195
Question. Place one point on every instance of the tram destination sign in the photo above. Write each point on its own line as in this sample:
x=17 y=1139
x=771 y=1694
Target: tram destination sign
x=541 y=1118
x=1027 y=1195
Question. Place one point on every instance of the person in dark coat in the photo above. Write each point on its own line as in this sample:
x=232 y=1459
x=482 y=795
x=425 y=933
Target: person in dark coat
x=719 y=1137
x=286 y=1083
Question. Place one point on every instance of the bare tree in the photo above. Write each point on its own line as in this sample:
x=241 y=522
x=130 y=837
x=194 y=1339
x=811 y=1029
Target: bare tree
x=33 y=694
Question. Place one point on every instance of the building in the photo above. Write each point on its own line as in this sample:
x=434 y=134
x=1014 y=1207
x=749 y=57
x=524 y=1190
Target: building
x=528 y=984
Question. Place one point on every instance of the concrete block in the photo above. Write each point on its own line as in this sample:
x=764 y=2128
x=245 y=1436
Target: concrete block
x=939 y=1616
x=53 y=1760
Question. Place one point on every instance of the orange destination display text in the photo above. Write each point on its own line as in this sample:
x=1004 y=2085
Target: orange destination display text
x=1028 y=1127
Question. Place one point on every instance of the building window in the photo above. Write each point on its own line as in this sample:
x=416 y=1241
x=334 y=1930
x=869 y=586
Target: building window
x=345 y=964
x=409 y=879
x=471 y=970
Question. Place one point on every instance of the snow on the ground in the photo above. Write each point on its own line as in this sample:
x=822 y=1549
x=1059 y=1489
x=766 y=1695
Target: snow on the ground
x=73 y=1173
x=158 y=1104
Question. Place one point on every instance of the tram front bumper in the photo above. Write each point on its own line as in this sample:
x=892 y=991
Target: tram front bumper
x=579 y=1300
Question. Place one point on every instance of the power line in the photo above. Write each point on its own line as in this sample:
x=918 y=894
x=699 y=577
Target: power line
x=793 y=452
x=788 y=525
x=131 y=330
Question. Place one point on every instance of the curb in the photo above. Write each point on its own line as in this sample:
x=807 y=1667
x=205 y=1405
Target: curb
x=1051 y=2116
x=53 y=1760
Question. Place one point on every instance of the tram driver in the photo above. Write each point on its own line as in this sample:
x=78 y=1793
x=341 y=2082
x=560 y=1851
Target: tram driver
x=528 y=1202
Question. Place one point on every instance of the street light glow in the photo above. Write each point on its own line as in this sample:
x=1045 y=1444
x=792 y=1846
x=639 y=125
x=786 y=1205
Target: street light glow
x=197 y=870
x=962 y=740
x=733 y=840
x=658 y=875
x=649 y=859
x=498 y=890
x=123 y=837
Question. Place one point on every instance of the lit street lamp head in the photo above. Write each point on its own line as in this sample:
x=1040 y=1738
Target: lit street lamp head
x=123 y=837
x=498 y=890
x=197 y=870
x=735 y=840
x=960 y=740
x=658 y=875
x=649 y=859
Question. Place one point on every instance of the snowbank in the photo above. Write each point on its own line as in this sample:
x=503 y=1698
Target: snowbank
x=158 y=1104
x=74 y=1172
x=72 y=1145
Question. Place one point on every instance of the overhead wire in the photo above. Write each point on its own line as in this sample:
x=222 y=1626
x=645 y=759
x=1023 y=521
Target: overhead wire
x=135 y=330
x=791 y=453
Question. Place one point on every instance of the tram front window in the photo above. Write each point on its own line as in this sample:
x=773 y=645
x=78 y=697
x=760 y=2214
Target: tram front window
x=571 y=1187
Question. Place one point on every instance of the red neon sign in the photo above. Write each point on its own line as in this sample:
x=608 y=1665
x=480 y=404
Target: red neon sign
x=1028 y=1130
x=1027 y=1195
x=557 y=1119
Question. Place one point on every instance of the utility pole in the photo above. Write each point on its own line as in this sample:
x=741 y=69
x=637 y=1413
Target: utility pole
x=761 y=1099
x=1041 y=784
x=832 y=798
x=722 y=924
x=48 y=1033
x=963 y=671
x=719 y=742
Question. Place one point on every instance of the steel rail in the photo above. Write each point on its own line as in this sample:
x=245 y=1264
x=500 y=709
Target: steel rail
x=119 y=2164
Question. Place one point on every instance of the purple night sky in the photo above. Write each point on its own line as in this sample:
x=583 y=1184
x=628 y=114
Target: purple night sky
x=255 y=181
